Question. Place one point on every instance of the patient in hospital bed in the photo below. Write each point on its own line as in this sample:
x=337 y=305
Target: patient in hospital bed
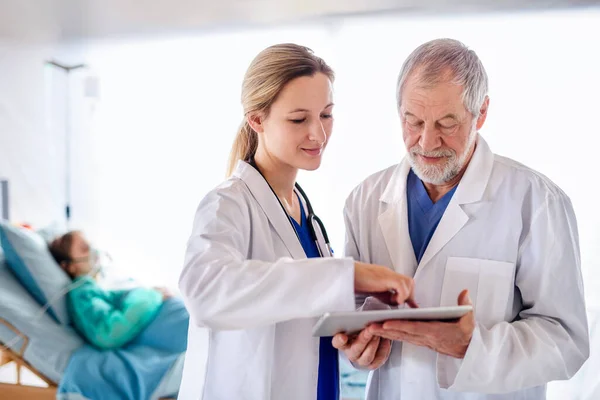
x=107 y=319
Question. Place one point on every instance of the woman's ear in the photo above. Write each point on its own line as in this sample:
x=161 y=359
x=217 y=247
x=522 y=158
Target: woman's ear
x=67 y=267
x=255 y=120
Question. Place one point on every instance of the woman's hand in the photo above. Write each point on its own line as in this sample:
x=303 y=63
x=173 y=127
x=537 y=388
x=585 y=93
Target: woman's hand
x=383 y=282
x=166 y=293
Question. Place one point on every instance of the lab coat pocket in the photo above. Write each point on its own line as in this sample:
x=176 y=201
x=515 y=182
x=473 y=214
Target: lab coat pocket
x=490 y=284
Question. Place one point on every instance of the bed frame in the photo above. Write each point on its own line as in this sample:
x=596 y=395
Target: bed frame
x=18 y=390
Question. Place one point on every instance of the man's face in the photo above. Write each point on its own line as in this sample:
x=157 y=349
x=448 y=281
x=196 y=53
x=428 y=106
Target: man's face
x=438 y=131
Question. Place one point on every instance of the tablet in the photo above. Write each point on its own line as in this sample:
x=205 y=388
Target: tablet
x=354 y=321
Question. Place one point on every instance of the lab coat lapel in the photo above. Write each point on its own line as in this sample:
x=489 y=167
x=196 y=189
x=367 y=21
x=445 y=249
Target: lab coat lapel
x=470 y=190
x=272 y=208
x=394 y=222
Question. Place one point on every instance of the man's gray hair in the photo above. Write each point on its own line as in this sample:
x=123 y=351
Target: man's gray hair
x=435 y=59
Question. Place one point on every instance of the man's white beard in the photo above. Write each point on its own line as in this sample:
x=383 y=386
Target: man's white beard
x=440 y=174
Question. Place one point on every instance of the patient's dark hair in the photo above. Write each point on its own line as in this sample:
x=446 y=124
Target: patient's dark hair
x=60 y=248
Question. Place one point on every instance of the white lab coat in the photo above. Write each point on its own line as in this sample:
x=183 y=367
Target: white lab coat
x=247 y=279
x=509 y=235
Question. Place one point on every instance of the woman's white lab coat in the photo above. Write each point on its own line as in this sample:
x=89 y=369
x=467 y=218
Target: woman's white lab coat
x=246 y=278
x=509 y=235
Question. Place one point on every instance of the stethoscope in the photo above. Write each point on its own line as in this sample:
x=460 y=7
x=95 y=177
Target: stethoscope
x=315 y=225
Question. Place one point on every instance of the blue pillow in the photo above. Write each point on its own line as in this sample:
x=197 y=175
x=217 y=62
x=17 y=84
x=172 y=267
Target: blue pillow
x=28 y=257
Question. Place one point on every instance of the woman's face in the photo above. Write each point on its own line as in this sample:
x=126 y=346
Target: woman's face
x=298 y=126
x=81 y=257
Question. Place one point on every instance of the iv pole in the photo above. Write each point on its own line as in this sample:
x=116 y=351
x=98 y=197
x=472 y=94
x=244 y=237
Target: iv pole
x=67 y=69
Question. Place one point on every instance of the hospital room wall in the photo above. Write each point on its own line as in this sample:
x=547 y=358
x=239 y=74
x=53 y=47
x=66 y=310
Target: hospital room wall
x=33 y=138
x=169 y=109
x=157 y=138
x=31 y=132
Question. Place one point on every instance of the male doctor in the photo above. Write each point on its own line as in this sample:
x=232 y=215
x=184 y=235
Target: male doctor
x=471 y=227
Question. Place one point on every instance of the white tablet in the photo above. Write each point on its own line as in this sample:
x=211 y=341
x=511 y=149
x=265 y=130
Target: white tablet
x=354 y=321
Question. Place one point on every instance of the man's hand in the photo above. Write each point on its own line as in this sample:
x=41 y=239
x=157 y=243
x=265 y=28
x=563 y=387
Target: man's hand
x=365 y=349
x=449 y=338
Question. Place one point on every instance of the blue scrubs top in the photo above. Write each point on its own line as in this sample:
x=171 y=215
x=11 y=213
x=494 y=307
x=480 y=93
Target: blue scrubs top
x=423 y=214
x=328 y=387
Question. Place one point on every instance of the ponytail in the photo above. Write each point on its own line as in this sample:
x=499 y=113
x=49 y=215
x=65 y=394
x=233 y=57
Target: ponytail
x=244 y=146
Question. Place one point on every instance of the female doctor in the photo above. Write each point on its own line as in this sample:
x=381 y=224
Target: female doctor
x=257 y=267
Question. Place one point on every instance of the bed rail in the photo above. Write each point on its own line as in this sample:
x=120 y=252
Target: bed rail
x=17 y=356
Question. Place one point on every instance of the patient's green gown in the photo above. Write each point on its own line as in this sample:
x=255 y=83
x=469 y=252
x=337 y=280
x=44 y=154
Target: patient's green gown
x=110 y=319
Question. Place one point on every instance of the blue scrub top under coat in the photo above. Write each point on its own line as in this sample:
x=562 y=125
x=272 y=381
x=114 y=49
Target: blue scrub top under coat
x=328 y=387
x=423 y=214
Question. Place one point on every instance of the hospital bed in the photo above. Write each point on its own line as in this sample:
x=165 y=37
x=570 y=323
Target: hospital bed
x=32 y=340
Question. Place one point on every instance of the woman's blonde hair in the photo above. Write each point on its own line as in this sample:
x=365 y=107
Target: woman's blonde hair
x=265 y=78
